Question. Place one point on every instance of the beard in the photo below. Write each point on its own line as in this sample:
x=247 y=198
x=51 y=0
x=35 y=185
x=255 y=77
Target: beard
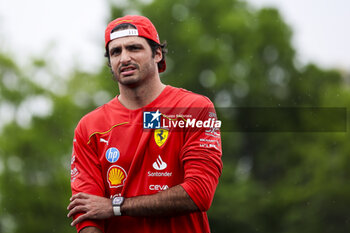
x=140 y=75
x=128 y=79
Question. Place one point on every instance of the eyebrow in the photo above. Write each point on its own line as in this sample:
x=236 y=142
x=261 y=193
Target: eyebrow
x=128 y=46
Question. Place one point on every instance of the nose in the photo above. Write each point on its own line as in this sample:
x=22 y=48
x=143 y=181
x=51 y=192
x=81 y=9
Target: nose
x=125 y=57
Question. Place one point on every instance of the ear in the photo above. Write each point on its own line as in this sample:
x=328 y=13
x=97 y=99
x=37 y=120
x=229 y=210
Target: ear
x=158 y=56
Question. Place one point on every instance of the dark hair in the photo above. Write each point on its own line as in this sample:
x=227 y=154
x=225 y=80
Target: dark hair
x=154 y=45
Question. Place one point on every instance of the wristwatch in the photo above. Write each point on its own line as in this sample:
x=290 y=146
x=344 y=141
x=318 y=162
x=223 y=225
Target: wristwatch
x=117 y=202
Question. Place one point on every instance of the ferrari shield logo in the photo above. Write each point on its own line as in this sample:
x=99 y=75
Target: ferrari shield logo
x=160 y=136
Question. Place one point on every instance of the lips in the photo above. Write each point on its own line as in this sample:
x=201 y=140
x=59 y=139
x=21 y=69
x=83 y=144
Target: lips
x=127 y=70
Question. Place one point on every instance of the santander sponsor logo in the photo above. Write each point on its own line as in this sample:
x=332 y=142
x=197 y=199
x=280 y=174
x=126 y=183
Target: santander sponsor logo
x=159 y=164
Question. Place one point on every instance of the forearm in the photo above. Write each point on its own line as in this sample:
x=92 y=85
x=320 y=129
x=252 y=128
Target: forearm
x=171 y=202
x=90 y=230
x=174 y=201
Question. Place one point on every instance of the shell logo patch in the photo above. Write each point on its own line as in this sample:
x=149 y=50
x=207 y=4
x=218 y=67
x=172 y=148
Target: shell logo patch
x=160 y=136
x=116 y=176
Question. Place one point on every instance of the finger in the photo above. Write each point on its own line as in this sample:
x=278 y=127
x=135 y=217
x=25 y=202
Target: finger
x=79 y=195
x=76 y=210
x=76 y=202
x=79 y=219
x=72 y=205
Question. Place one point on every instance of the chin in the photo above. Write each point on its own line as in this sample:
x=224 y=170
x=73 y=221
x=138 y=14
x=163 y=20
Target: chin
x=129 y=81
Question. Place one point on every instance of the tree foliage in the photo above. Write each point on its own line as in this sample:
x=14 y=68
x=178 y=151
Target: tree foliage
x=236 y=55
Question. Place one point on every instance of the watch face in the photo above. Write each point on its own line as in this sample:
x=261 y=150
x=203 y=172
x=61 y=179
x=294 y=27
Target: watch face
x=118 y=201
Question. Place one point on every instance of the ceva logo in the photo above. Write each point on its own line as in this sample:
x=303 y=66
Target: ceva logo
x=158 y=187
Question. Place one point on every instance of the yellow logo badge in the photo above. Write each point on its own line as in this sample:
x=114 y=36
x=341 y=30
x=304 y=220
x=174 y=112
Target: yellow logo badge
x=160 y=136
x=116 y=176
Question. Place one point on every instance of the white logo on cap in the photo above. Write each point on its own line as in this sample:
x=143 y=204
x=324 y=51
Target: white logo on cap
x=127 y=32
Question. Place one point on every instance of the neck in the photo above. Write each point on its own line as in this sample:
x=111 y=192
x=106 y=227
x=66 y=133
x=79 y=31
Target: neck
x=139 y=96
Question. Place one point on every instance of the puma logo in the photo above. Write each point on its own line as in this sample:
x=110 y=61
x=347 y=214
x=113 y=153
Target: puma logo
x=103 y=140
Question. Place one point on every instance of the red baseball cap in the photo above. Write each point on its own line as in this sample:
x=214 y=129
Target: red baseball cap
x=144 y=28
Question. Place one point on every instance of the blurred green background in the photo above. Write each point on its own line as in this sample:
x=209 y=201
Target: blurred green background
x=238 y=56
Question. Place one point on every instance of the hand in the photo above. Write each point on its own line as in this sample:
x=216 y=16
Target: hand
x=92 y=207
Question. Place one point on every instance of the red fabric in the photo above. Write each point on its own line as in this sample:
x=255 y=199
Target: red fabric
x=191 y=158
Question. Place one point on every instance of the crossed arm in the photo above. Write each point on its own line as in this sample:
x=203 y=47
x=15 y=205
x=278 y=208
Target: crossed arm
x=174 y=201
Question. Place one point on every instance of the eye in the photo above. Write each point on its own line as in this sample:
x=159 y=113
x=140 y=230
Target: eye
x=115 y=51
x=134 y=47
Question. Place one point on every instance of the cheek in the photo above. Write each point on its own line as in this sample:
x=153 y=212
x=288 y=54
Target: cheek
x=114 y=65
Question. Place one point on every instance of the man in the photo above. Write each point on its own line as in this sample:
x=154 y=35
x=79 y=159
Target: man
x=130 y=174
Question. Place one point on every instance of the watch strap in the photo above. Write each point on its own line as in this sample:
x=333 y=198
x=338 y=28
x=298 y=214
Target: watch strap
x=116 y=211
